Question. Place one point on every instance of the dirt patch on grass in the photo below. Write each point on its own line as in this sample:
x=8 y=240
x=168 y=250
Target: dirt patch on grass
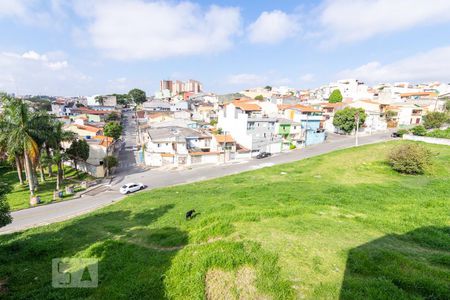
x=219 y=285
x=232 y=285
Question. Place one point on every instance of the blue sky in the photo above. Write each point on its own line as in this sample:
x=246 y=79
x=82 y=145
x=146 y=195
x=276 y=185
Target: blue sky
x=83 y=47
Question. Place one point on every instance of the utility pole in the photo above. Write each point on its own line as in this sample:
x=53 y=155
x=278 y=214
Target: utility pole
x=306 y=130
x=357 y=127
x=225 y=147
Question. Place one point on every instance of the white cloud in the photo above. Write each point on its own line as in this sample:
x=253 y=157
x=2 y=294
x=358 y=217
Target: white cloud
x=354 y=20
x=13 y=8
x=246 y=79
x=130 y=30
x=273 y=27
x=426 y=66
x=34 y=73
x=34 y=12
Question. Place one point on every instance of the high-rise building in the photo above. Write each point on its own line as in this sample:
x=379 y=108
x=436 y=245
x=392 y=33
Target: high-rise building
x=177 y=86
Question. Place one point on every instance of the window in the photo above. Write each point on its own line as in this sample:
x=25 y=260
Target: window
x=159 y=145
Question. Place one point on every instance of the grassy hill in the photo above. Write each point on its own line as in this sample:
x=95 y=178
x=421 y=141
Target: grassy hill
x=341 y=225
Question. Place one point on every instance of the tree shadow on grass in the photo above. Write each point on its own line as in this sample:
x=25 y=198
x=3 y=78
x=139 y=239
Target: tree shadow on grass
x=415 y=265
x=131 y=264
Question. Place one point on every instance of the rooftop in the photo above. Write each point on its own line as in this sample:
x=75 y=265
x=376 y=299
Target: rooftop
x=173 y=132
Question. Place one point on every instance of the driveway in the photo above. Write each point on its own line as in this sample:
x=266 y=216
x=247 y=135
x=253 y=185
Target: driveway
x=47 y=214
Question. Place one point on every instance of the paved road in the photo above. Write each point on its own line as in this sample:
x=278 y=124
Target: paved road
x=160 y=178
x=127 y=161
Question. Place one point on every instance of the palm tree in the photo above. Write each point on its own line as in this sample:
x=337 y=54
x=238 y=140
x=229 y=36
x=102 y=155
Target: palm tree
x=13 y=154
x=18 y=125
x=58 y=135
x=100 y=100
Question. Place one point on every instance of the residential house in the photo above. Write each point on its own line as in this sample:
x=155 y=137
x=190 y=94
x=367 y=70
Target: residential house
x=85 y=131
x=310 y=120
x=403 y=115
x=204 y=113
x=156 y=105
x=177 y=146
x=253 y=130
x=177 y=123
x=375 y=119
x=179 y=106
x=329 y=109
x=156 y=117
x=99 y=147
x=291 y=133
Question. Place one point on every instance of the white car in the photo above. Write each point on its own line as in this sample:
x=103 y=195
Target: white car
x=131 y=187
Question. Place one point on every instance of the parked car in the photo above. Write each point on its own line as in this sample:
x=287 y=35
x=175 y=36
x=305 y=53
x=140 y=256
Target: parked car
x=131 y=188
x=263 y=155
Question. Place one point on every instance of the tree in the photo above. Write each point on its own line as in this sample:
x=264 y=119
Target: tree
x=78 y=151
x=268 y=88
x=259 y=97
x=137 y=96
x=100 y=100
x=110 y=162
x=13 y=154
x=122 y=99
x=20 y=126
x=113 y=129
x=335 y=96
x=434 y=119
x=5 y=216
x=345 y=119
x=113 y=116
x=390 y=115
x=447 y=105
x=57 y=137
x=410 y=159
x=419 y=130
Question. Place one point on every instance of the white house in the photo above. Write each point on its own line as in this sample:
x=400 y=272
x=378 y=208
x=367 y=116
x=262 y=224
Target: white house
x=375 y=121
x=178 y=146
x=244 y=120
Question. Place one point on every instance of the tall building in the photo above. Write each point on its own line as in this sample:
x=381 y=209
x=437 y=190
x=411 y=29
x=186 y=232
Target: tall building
x=177 y=86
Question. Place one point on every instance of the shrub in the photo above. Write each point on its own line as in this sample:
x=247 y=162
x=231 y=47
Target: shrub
x=443 y=134
x=292 y=146
x=419 y=130
x=401 y=132
x=410 y=159
x=434 y=119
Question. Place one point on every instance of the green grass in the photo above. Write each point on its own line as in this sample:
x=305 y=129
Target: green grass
x=336 y=226
x=19 y=197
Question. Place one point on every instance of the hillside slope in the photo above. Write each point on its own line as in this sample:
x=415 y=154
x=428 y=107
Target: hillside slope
x=341 y=225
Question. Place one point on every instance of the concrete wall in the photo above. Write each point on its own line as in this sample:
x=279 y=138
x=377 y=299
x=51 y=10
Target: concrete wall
x=426 y=139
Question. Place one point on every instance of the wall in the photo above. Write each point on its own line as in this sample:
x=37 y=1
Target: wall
x=426 y=139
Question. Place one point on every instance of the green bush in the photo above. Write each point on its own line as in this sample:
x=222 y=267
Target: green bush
x=292 y=147
x=401 y=132
x=410 y=159
x=434 y=119
x=419 y=130
x=443 y=134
